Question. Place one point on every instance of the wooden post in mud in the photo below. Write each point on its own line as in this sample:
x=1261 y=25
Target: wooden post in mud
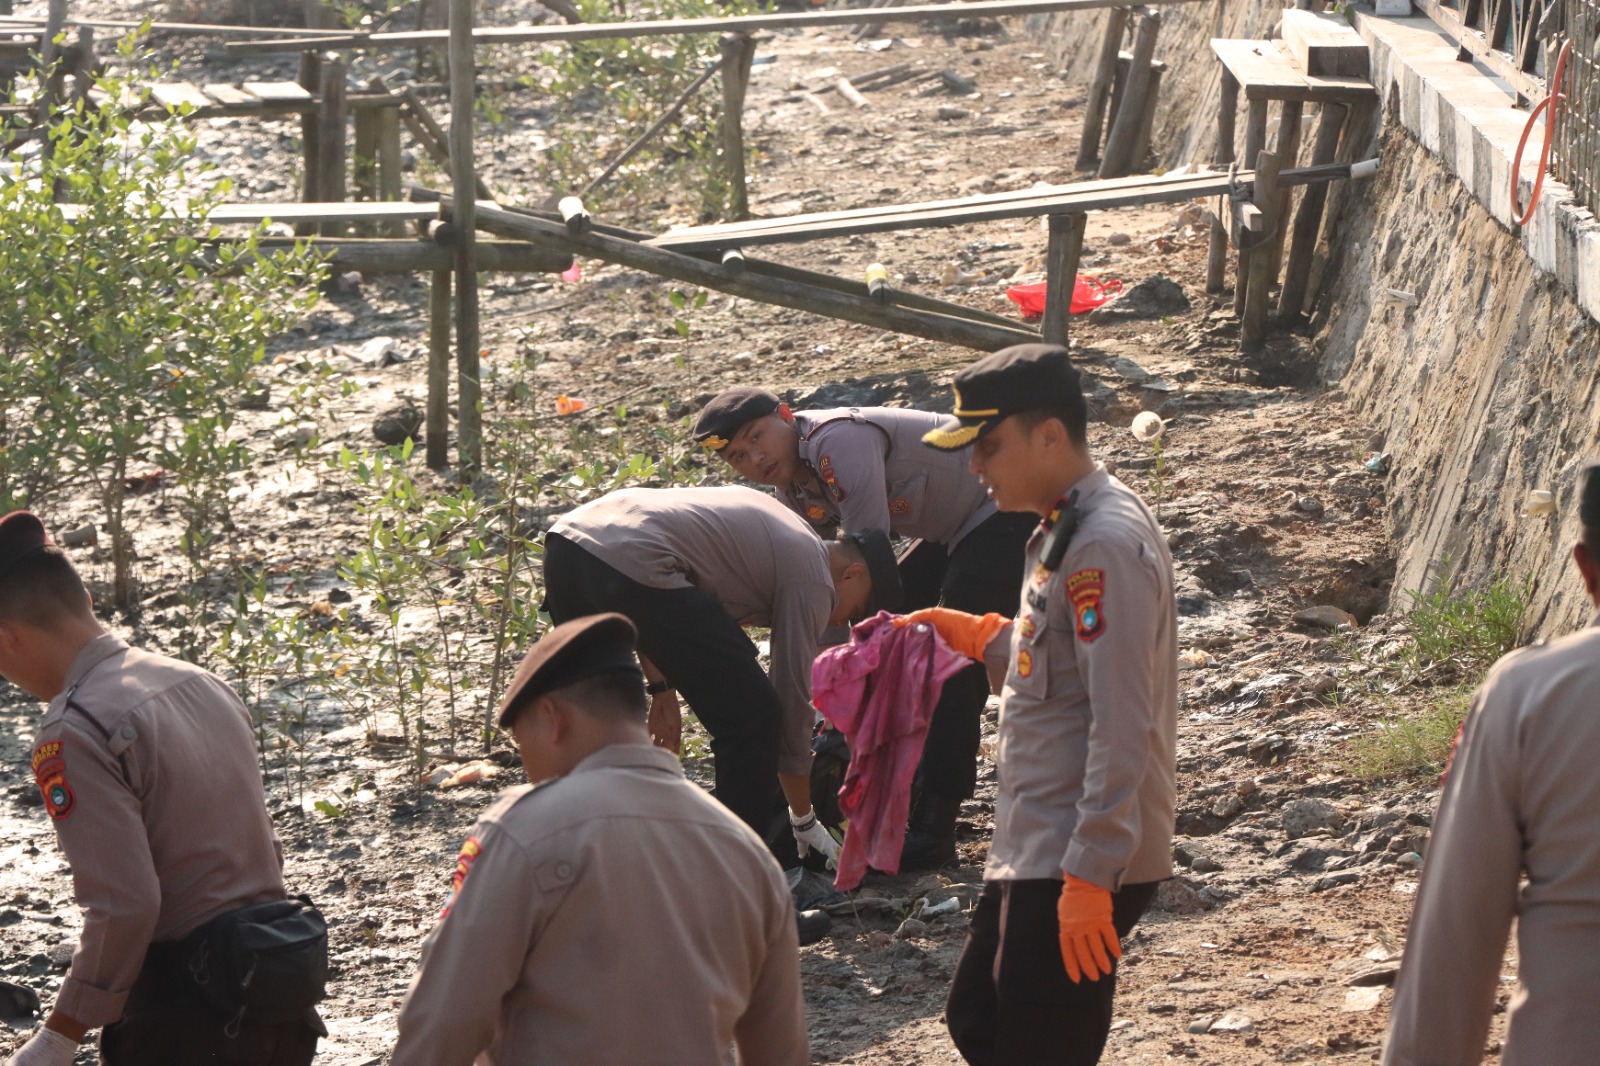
x=1147 y=117
x=1118 y=156
x=1308 y=219
x=437 y=431
x=390 y=163
x=1061 y=275
x=1268 y=199
x=1105 y=70
x=1227 y=115
x=1287 y=149
x=331 y=154
x=1255 y=140
x=464 y=185
x=83 y=74
x=364 y=162
x=310 y=80
x=738 y=51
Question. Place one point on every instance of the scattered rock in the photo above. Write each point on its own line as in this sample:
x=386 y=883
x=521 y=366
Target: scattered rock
x=1154 y=297
x=1205 y=864
x=1302 y=817
x=298 y=437
x=1378 y=975
x=1360 y=1000
x=1234 y=1021
x=1309 y=505
x=397 y=424
x=1343 y=877
x=1325 y=685
x=964 y=894
x=81 y=537
x=951 y=113
x=1117 y=240
x=1326 y=616
x=1201 y=1025
x=911 y=927
x=1269 y=749
x=1177 y=897
x=17 y=1002
x=1410 y=861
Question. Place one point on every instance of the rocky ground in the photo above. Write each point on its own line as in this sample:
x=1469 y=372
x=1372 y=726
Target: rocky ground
x=1278 y=938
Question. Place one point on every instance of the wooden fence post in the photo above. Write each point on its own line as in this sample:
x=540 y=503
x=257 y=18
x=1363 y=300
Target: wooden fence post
x=437 y=431
x=1287 y=149
x=364 y=162
x=331 y=151
x=464 y=185
x=1227 y=115
x=1308 y=219
x=1061 y=275
x=1255 y=141
x=310 y=80
x=738 y=50
x=1118 y=155
x=389 y=162
x=1266 y=196
x=1147 y=119
x=1094 y=109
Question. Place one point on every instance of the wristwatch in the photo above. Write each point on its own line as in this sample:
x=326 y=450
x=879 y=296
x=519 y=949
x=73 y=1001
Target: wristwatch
x=656 y=688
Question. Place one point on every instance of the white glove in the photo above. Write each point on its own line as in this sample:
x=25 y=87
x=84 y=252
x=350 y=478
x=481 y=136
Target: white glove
x=810 y=833
x=45 y=1048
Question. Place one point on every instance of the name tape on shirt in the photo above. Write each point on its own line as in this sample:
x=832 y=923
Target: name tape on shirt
x=469 y=855
x=1086 y=588
x=50 y=772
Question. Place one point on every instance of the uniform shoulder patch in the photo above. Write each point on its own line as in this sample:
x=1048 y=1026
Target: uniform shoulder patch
x=50 y=772
x=469 y=855
x=899 y=506
x=1086 y=589
x=816 y=513
x=829 y=478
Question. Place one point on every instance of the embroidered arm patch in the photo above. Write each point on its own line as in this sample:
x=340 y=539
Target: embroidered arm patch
x=826 y=472
x=1086 y=588
x=469 y=855
x=50 y=772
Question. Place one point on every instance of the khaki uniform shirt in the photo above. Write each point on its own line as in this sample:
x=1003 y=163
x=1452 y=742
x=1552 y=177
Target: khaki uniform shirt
x=149 y=774
x=1087 y=755
x=618 y=915
x=1522 y=795
x=746 y=551
x=876 y=473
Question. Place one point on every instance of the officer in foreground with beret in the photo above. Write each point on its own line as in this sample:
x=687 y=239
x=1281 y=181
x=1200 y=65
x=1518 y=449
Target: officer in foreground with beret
x=1088 y=721
x=147 y=766
x=865 y=469
x=1517 y=838
x=690 y=567
x=610 y=912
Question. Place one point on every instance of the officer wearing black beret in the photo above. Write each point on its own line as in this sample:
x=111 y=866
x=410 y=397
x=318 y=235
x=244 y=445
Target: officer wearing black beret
x=1088 y=720
x=864 y=469
x=610 y=909
x=147 y=767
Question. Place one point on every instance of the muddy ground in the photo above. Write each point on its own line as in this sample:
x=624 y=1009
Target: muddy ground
x=1276 y=941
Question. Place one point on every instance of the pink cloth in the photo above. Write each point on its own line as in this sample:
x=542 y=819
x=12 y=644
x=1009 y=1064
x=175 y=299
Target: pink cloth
x=879 y=690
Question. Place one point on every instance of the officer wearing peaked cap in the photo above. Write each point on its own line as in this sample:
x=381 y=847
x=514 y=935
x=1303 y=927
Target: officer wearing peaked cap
x=553 y=948
x=1088 y=720
x=1515 y=839
x=866 y=469
x=147 y=766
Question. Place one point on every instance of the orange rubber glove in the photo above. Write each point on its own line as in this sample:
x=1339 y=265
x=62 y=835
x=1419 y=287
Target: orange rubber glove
x=968 y=634
x=1088 y=939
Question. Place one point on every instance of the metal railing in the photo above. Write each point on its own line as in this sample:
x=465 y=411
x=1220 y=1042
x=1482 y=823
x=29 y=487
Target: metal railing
x=1501 y=34
x=1577 y=134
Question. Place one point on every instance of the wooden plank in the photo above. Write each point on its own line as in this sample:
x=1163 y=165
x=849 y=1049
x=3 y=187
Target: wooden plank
x=593 y=31
x=1253 y=322
x=1064 y=199
x=1118 y=157
x=176 y=95
x=1100 y=88
x=1061 y=275
x=1325 y=44
x=1308 y=220
x=228 y=95
x=1266 y=73
x=278 y=92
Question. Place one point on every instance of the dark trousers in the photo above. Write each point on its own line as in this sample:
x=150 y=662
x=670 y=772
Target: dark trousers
x=702 y=652
x=1011 y=1002
x=165 y=1023
x=982 y=576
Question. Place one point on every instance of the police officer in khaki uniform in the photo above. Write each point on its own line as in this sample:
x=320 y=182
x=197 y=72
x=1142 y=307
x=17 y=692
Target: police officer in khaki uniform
x=866 y=469
x=690 y=567
x=1521 y=801
x=1088 y=721
x=611 y=912
x=148 y=770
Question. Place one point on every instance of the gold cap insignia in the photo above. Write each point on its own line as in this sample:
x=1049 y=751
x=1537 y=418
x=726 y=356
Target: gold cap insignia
x=715 y=443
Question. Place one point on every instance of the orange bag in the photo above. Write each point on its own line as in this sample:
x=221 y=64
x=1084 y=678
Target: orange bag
x=1087 y=294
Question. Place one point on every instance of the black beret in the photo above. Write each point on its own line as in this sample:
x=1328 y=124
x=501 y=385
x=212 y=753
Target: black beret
x=572 y=651
x=887 y=592
x=1023 y=377
x=21 y=535
x=1589 y=496
x=729 y=410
